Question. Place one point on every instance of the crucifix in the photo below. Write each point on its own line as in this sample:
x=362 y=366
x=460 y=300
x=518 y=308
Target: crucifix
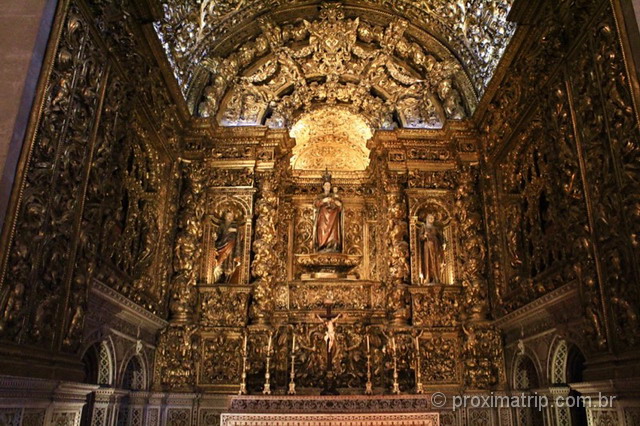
x=329 y=320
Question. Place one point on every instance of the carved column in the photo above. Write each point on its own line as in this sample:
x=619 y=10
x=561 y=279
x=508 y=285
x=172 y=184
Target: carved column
x=175 y=368
x=187 y=249
x=265 y=259
x=398 y=298
x=472 y=253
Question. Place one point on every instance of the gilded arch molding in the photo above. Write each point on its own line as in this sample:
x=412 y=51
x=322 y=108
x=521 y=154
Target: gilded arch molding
x=477 y=30
x=381 y=72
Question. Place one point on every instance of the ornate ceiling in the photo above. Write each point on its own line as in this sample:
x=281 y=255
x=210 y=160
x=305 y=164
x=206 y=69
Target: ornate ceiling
x=406 y=63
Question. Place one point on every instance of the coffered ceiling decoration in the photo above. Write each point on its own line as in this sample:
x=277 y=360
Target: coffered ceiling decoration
x=398 y=63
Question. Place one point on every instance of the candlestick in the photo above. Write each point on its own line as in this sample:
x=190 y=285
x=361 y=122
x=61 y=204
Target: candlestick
x=419 y=389
x=267 y=374
x=267 y=377
x=368 y=390
x=396 y=385
x=368 y=347
x=244 y=346
x=292 y=374
x=243 y=383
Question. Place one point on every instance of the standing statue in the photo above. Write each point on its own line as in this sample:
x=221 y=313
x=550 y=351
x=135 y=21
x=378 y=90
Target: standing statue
x=328 y=223
x=227 y=258
x=432 y=261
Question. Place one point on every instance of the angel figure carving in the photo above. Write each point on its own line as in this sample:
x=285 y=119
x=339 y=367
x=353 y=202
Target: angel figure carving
x=226 y=258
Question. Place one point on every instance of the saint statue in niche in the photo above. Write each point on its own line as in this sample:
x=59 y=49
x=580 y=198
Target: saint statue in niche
x=328 y=223
x=227 y=251
x=432 y=246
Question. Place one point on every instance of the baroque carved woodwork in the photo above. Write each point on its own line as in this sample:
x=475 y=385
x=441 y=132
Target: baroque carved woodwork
x=94 y=199
x=478 y=31
x=197 y=199
x=371 y=72
x=559 y=185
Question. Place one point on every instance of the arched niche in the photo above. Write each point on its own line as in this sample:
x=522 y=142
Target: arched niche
x=228 y=214
x=420 y=208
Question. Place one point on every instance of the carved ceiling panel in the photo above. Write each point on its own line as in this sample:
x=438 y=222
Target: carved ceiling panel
x=375 y=71
x=476 y=30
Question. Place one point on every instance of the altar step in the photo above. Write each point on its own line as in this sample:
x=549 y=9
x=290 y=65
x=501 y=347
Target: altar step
x=329 y=411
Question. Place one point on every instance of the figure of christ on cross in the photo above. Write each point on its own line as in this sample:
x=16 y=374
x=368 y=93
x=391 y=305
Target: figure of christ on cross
x=329 y=320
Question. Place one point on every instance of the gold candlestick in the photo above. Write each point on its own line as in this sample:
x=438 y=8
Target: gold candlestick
x=292 y=374
x=243 y=383
x=368 y=390
x=419 y=389
x=267 y=374
x=396 y=385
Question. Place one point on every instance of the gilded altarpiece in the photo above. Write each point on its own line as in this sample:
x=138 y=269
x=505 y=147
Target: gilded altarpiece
x=428 y=330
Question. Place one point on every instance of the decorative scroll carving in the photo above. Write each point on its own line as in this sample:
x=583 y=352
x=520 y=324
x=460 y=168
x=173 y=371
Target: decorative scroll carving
x=178 y=347
x=353 y=75
x=39 y=257
x=472 y=253
x=345 y=295
x=482 y=355
x=398 y=232
x=304 y=230
x=478 y=31
x=221 y=363
x=330 y=139
x=438 y=360
x=431 y=180
x=230 y=177
x=435 y=306
x=560 y=191
x=265 y=259
x=187 y=249
x=224 y=306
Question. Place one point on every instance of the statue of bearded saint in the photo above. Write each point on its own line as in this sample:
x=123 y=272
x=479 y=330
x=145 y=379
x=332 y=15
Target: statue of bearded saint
x=227 y=256
x=432 y=261
x=328 y=223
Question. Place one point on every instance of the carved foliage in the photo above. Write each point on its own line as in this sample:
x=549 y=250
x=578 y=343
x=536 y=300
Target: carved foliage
x=177 y=354
x=482 y=356
x=39 y=257
x=472 y=249
x=187 y=248
x=566 y=197
x=221 y=362
x=439 y=359
x=352 y=73
x=265 y=259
